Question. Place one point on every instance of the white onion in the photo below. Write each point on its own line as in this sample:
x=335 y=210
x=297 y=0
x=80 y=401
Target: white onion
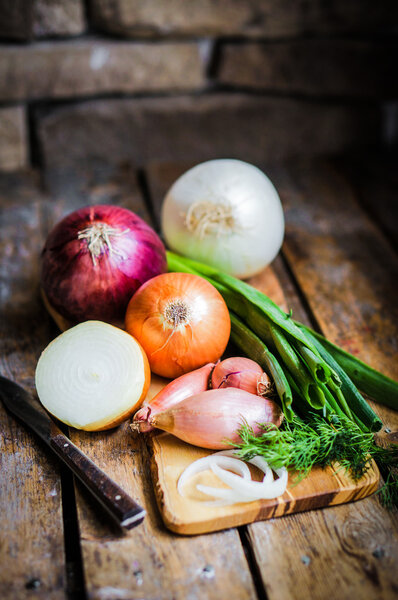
x=225 y=213
x=92 y=376
x=202 y=464
x=242 y=488
x=255 y=490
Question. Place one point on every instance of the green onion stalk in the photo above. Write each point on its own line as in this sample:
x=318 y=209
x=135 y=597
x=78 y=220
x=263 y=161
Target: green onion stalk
x=326 y=417
x=323 y=374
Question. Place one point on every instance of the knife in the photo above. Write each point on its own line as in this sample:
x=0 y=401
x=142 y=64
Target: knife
x=119 y=505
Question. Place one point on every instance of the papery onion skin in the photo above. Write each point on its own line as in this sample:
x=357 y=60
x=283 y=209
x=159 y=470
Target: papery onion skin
x=181 y=321
x=225 y=213
x=242 y=373
x=212 y=419
x=81 y=284
x=173 y=393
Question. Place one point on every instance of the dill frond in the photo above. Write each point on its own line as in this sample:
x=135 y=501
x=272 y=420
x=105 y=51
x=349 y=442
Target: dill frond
x=322 y=441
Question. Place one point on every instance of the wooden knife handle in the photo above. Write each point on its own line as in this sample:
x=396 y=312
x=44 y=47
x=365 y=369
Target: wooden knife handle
x=121 y=507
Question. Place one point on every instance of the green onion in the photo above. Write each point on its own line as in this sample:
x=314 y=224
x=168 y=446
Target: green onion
x=300 y=359
x=255 y=297
x=376 y=385
x=247 y=341
x=355 y=400
x=312 y=377
x=319 y=368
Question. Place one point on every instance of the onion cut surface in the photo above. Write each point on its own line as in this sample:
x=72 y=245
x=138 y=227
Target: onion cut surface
x=93 y=376
x=242 y=488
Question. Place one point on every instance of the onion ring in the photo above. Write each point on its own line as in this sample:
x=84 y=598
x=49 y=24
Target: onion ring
x=242 y=488
x=202 y=464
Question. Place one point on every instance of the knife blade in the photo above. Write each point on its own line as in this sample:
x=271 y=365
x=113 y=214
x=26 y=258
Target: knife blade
x=119 y=505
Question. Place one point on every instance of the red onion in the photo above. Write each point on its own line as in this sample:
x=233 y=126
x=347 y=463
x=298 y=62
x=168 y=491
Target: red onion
x=95 y=259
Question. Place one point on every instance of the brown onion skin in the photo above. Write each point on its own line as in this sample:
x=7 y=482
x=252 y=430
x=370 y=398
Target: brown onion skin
x=79 y=290
x=201 y=335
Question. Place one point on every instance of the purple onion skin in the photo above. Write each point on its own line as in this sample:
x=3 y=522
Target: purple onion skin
x=80 y=290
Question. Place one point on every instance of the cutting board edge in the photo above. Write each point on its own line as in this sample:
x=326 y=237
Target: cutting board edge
x=356 y=491
x=238 y=520
x=230 y=521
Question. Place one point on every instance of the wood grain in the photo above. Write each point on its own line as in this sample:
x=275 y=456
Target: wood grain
x=31 y=539
x=148 y=562
x=355 y=544
x=191 y=515
x=349 y=548
x=301 y=547
x=124 y=511
x=344 y=266
x=343 y=552
x=374 y=179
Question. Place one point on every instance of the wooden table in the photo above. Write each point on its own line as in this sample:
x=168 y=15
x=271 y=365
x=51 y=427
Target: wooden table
x=338 y=272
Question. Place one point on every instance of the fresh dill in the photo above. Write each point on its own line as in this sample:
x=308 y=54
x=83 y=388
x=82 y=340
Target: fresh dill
x=388 y=493
x=322 y=441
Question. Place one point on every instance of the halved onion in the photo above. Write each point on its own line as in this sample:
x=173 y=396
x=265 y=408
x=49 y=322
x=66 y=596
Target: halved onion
x=92 y=376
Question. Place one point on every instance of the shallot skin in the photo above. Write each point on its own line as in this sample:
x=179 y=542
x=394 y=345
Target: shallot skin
x=243 y=373
x=211 y=419
x=175 y=392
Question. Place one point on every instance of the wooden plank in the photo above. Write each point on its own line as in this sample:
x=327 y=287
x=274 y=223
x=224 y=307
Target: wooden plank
x=190 y=514
x=31 y=540
x=375 y=180
x=344 y=266
x=357 y=549
x=101 y=184
x=138 y=130
x=311 y=67
x=346 y=551
x=339 y=548
x=149 y=562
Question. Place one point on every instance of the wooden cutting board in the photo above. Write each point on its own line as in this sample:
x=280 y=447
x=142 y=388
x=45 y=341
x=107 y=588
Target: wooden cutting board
x=190 y=515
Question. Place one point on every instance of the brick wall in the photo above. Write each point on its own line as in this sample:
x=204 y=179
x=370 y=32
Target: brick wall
x=112 y=82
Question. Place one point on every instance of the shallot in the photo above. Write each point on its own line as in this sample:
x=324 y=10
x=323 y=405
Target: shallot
x=242 y=373
x=212 y=419
x=177 y=390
